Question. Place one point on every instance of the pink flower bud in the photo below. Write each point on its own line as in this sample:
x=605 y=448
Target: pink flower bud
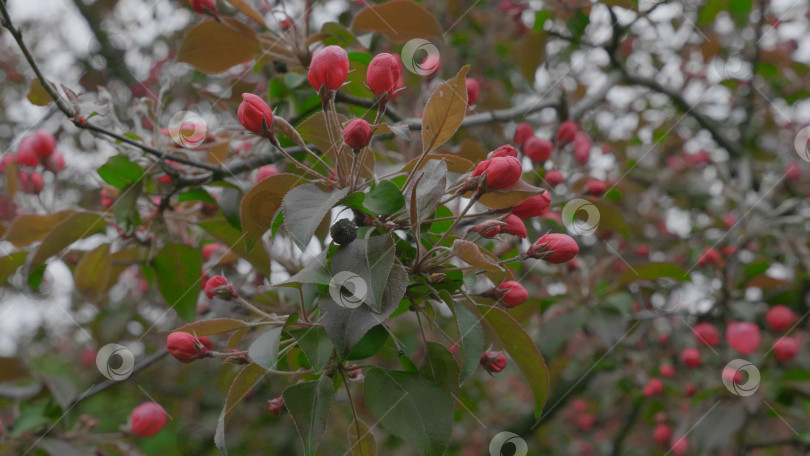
x=203 y=6
x=383 y=74
x=596 y=188
x=55 y=163
x=706 y=334
x=566 y=132
x=539 y=150
x=780 y=318
x=266 y=171
x=357 y=134
x=147 y=419
x=473 y=88
x=662 y=434
x=26 y=152
x=710 y=255
x=653 y=387
x=501 y=172
x=785 y=348
x=255 y=115
x=512 y=293
x=523 y=132
x=277 y=406
x=554 y=177
x=691 y=357
x=218 y=286
x=743 y=336
x=534 y=206
x=493 y=361
x=555 y=248
x=504 y=151
x=210 y=249
x=666 y=370
x=329 y=68
x=44 y=144
x=514 y=225
x=188 y=347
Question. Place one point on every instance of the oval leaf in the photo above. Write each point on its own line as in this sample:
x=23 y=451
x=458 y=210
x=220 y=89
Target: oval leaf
x=214 y=47
x=398 y=20
x=240 y=387
x=260 y=204
x=523 y=351
x=445 y=111
x=308 y=404
x=304 y=209
x=361 y=440
x=177 y=267
x=78 y=226
x=476 y=255
x=264 y=350
x=93 y=272
x=29 y=228
x=411 y=408
x=213 y=326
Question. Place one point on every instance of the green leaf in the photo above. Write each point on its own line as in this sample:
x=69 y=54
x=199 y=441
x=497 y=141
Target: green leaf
x=523 y=351
x=120 y=172
x=316 y=271
x=384 y=199
x=398 y=20
x=240 y=387
x=444 y=112
x=740 y=11
x=304 y=208
x=430 y=182
x=214 y=46
x=370 y=260
x=264 y=350
x=213 y=326
x=177 y=267
x=308 y=404
x=411 y=408
x=125 y=208
x=440 y=367
x=653 y=271
x=93 y=272
x=361 y=440
x=78 y=226
x=347 y=326
x=577 y=24
x=197 y=194
x=471 y=337
x=370 y=344
x=10 y=263
x=29 y=228
x=259 y=205
x=315 y=344
x=231 y=237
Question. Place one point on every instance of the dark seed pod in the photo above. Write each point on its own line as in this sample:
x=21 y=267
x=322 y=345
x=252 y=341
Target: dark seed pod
x=343 y=231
